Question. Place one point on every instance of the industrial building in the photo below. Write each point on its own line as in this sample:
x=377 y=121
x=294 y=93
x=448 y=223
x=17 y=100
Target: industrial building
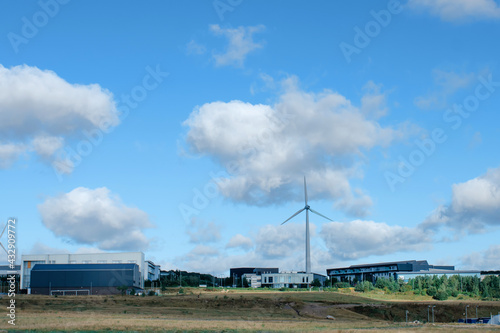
x=147 y=269
x=403 y=270
x=152 y=273
x=273 y=278
x=287 y=280
x=86 y=279
x=6 y=270
x=252 y=274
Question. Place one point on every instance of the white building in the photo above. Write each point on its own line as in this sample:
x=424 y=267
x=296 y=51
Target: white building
x=287 y=280
x=254 y=280
x=30 y=260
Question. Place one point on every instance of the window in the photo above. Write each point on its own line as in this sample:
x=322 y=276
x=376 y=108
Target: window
x=86 y=261
x=116 y=261
x=72 y=261
x=270 y=279
x=102 y=261
x=132 y=261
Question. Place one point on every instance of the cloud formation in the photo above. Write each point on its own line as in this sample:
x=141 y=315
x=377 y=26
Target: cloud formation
x=201 y=232
x=240 y=44
x=267 y=149
x=458 y=10
x=240 y=241
x=475 y=205
x=359 y=239
x=488 y=259
x=447 y=83
x=39 y=111
x=97 y=218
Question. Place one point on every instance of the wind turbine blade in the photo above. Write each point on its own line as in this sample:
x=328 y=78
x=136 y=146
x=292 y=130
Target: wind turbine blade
x=4 y=248
x=300 y=211
x=4 y=229
x=315 y=212
x=305 y=189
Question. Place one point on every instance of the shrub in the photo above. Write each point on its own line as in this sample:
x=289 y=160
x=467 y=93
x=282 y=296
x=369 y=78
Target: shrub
x=441 y=296
x=432 y=291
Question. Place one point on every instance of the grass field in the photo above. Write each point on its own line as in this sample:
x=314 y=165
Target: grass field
x=239 y=311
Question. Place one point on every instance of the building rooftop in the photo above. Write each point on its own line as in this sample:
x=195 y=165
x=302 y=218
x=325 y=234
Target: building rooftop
x=76 y=267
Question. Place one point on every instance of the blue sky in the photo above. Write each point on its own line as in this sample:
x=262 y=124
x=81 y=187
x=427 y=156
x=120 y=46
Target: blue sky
x=184 y=129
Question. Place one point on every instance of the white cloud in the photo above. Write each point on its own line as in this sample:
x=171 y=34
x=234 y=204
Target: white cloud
x=194 y=48
x=202 y=232
x=475 y=205
x=239 y=241
x=97 y=218
x=447 y=83
x=374 y=100
x=46 y=146
x=9 y=153
x=359 y=239
x=458 y=10
x=41 y=248
x=267 y=149
x=283 y=246
x=203 y=250
x=39 y=111
x=240 y=44
x=485 y=260
x=274 y=242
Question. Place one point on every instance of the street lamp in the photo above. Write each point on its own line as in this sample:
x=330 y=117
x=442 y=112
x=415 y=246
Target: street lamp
x=428 y=317
x=466 y=313
x=433 y=313
x=476 y=311
x=406 y=313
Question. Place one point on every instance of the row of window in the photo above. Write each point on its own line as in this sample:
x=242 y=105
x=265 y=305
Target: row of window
x=282 y=279
x=99 y=261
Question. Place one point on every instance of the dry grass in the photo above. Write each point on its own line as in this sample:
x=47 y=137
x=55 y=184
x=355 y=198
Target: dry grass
x=217 y=311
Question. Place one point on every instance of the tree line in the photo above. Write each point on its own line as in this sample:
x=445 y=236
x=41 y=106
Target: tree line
x=439 y=288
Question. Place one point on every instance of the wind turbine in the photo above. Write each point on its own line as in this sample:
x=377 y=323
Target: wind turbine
x=307 y=208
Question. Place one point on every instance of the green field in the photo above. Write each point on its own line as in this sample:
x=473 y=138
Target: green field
x=199 y=310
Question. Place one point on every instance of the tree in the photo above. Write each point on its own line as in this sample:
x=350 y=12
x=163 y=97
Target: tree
x=316 y=283
x=123 y=289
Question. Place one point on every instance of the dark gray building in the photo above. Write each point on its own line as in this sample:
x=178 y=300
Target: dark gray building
x=370 y=272
x=94 y=279
x=239 y=272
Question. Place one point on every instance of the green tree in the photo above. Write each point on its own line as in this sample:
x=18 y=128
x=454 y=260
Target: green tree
x=123 y=289
x=316 y=283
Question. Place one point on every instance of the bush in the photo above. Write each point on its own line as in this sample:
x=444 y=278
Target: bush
x=432 y=291
x=341 y=285
x=364 y=286
x=151 y=293
x=441 y=296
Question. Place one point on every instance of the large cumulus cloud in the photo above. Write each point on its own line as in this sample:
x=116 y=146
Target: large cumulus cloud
x=40 y=111
x=96 y=217
x=267 y=149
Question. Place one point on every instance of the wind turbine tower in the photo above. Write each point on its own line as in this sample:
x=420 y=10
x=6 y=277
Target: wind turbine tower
x=307 y=208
